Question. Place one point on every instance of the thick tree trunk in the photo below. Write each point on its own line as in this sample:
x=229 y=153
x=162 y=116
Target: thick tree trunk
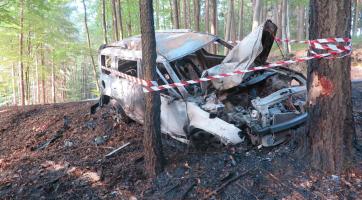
x=90 y=46
x=152 y=143
x=241 y=20
x=256 y=13
x=184 y=8
x=21 y=63
x=213 y=19
x=175 y=22
x=104 y=22
x=197 y=15
x=188 y=16
x=330 y=122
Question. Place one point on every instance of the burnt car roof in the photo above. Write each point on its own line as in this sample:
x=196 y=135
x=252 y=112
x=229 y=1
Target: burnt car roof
x=170 y=44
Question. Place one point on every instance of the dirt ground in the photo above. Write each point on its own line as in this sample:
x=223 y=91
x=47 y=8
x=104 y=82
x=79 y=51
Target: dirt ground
x=73 y=164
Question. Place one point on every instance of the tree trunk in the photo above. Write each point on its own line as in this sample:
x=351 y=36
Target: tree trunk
x=119 y=19
x=176 y=23
x=241 y=21
x=129 y=23
x=197 y=15
x=157 y=14
x=21 y=63
x=152 y=143
x=256 y=14
x=330 y=122
x=207 y=16
x=355 y=17
x=42 y=62
x=37 y=99
x=114 y=21
x=104 y=23
x=280 y=19
x=184 y=8
x=89 y=45
x=285 y=26
x=213 y=19
x=13 y=84
x=300 y=23
x=53 y=81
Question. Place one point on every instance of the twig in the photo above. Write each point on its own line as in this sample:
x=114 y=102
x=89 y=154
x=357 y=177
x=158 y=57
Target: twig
x=220 y=188
x=117 y=150
x=192 y=185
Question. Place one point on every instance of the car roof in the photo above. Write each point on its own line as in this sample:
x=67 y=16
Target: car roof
x=170 y=44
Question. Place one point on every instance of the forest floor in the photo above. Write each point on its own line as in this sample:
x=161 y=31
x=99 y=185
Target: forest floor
x=72 y=165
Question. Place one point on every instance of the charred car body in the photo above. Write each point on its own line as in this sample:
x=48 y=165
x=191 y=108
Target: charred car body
x=262 y=105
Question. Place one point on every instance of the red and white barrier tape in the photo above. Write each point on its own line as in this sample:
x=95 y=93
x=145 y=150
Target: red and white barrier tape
x=321 y=41
x=239 y=72
x=332 y=52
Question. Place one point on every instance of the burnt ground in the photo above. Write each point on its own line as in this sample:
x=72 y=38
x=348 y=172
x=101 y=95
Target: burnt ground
x=74 y=166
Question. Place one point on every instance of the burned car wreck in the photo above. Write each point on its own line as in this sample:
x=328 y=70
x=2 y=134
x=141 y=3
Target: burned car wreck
x=261 y=105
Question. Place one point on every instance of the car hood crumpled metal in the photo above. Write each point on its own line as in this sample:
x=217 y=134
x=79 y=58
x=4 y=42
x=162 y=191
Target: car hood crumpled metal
x=172 y=44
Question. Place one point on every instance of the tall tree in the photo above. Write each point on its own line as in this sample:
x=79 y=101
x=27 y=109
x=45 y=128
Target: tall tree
x=104 y=22
x=175 y=17
x=285 y=25
x=152 y=132
x=119 y=19
x=115 y=21
x=89 y=45
x=230 y=23
x=21 y=49
x=207 y=16
x=213 y=19
x=300 y=22
x=256 y=13
x=241 y=20
x=197 y=15
x=330 y=122
x=355 y=17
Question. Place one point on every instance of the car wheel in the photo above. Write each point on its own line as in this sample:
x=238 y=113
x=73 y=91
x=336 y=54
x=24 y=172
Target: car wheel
x=119 y=115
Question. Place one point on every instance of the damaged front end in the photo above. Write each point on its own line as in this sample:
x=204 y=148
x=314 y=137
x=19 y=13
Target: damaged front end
x=264 y=104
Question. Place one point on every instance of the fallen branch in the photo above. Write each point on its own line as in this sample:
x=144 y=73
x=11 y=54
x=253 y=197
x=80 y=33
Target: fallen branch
x=221 y=187
x=117 y=150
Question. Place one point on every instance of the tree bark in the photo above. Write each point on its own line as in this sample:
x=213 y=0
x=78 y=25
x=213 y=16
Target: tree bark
x=104 y=22
x=256 y=14
x=330 y=122
x=213 y=19
x=184 y=8
x=152 y=143
x=176 y=23
x=21 y=63
x=197 y=15
x=241 y=20
x=129 y=22
x=90 y=46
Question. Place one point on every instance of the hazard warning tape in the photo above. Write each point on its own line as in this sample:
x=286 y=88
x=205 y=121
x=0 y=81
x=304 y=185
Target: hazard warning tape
x=321 y=41
x=332 y=52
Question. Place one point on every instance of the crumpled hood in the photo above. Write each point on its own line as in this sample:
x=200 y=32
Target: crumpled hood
x=243 y=56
